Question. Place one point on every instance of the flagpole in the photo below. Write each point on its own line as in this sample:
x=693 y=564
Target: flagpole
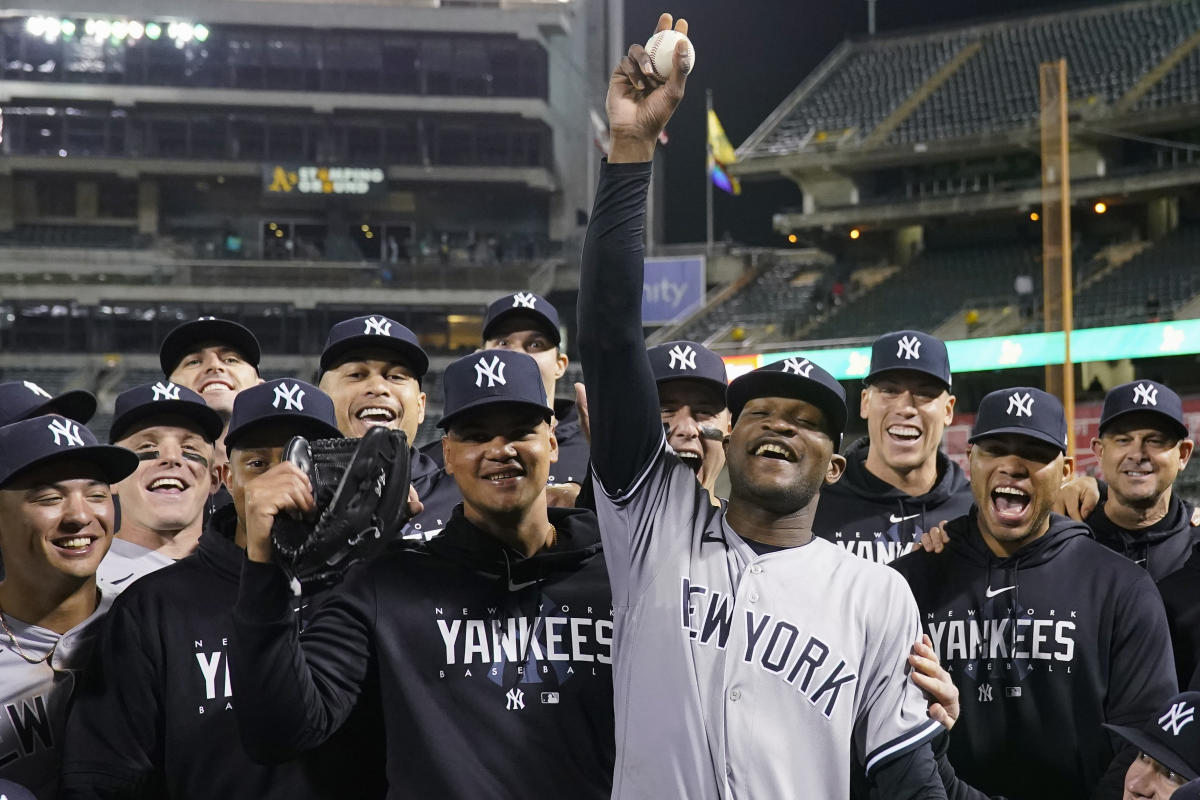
x=708 y=183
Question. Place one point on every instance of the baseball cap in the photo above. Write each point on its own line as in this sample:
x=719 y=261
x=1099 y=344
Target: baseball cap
x=793 y=377
x=691 y=360
x=282 y=400
x=533 y=305
x=1189 y=791
x=1023 y=410
x=1145 y=396
x=373 y=331
x=41 y=440
x=912 y=350
x=25 y=399
x=184 y=338
x=152 y=399
x=1171 y=737
x=489 y=377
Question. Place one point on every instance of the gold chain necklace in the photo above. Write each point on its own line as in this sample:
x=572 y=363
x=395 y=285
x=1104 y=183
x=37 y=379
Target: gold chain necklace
x=18 y=648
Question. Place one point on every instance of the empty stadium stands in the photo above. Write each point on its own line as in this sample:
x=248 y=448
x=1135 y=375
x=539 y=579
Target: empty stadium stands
x=1148 y=287
x=1109 y=49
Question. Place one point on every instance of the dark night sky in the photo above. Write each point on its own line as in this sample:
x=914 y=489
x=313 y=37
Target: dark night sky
x=752 y=53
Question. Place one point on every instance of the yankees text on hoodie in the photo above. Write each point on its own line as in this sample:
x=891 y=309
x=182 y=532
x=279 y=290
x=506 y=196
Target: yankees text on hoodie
x=875 y=520
x=1045 y=646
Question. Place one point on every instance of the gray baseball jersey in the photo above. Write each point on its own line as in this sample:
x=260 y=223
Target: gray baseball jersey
x=740 y=675
x=35 y=697
x=125 y=563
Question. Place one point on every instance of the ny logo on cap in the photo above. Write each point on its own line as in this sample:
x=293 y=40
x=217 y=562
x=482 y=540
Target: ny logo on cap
x=1176 y=718
x=799 y=367
x=165 y=392
x=378 y=325
x=33 y=387
x=1020 y=405
x=910 y=348
x=65 y=429
x=1145 y=395
x=494 y=372
x=292 y=397
x=682 y=358
x=524 y=300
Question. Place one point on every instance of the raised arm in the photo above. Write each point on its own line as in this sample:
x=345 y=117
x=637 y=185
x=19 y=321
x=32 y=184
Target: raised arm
x=622 y=396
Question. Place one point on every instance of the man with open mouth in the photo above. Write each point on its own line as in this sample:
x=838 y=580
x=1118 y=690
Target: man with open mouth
x=172 y=431
x=154 y=716
x=1035 y=620
x=750 y=657
x=491 y=643
x=898 y=483
x=372 y=367
x=216 y=359
x=56 y=524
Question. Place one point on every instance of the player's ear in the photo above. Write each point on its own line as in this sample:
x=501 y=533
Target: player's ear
x=553 y=446
x=1185 y=451
x=1068 y=468
x=837 y=466
x=950 y=401
x=561 y=362
x=449 y=470
x=864 y=400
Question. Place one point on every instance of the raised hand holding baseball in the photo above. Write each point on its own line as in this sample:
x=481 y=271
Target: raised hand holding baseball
x=641 y=100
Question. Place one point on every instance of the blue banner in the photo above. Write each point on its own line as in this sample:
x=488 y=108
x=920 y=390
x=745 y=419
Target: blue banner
x=672 y=289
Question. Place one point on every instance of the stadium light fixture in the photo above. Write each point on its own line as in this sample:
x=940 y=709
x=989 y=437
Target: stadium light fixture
x=153 y=31
x=1034 y=216
x=791 y=238
x=1100 y=207
x=855 y=233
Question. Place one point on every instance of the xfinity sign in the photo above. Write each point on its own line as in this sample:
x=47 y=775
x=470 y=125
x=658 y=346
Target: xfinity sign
x=672 y=289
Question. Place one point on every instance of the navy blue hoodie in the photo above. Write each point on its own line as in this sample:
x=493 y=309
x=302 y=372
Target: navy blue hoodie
x=875 y=520
x=1045 y=646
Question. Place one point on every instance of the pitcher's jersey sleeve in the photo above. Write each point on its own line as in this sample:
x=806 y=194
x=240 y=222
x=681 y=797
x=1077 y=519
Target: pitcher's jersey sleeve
x=652 y=523
x=893 y=718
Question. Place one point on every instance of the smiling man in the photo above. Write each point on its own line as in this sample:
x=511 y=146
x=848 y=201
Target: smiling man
x=1142 y=447
x=1168 y=750
x=898 y=483
x=691 y=382
x=215 y=358
x=56 y=524
x=172 y=431
x=372 y=368
x=1035 y=621
x=155 y=715
x=491 y=643
x=751 y=659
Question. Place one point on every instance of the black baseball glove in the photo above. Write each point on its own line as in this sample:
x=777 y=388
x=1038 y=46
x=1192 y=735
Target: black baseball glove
x=361 y=491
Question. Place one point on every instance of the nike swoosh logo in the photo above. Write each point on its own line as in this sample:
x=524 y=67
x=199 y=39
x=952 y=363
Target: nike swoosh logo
x=120 y=580
x=1001 y=590
x=516 y=587
x=896 y=519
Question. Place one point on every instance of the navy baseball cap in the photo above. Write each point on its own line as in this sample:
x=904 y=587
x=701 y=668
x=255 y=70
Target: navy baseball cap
x=1022 y=410
x=687 y=360
x=41 y=440
x=373 y=331
x=1189 y=791
x=24 y=399
x=913 y=350
x=492 y=376
x=1171 y=737
x=282 y=400
x=1144 y=396
x=798 y=378
x=533 y=305
x=186 y=337
x=151 y=399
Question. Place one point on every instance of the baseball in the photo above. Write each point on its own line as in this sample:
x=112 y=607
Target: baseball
x=661 y=49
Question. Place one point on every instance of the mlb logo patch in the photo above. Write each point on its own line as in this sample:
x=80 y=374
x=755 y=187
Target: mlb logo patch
x=1012 y=691
x=550 y=698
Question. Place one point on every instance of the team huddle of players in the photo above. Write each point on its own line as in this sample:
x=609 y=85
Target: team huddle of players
x=574 y=612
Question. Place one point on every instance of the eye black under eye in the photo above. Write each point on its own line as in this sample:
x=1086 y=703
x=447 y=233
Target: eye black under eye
x=196 y=457
x=147 y=455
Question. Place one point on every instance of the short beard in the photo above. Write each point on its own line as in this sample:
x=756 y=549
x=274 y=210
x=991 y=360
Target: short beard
x=780 y=502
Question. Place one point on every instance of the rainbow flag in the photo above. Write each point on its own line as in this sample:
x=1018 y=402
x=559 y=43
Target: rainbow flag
x=720 y=156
